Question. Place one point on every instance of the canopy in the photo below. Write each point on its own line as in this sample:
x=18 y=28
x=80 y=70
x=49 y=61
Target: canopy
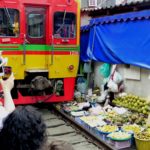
x=118 y=39
x=84 y=44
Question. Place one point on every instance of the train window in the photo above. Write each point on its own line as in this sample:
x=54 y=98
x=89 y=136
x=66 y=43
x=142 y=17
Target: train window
x=35 y=25
x=9 y=22
x=64 y=25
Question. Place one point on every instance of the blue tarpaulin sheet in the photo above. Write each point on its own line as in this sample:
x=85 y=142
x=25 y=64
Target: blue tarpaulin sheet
x=118 y=39
x=84 y=40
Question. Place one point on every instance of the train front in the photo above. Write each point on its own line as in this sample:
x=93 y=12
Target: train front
x=41 y=42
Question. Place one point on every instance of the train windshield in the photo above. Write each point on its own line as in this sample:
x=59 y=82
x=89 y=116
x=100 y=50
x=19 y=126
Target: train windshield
x=64 y=25
x=9 y=22
x=35 y=25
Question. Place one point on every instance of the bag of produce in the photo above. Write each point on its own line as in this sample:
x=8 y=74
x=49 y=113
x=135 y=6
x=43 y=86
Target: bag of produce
x=117 y=78
x=113 y=87
x=102 y=98
x=87 y=68
x=81 y=85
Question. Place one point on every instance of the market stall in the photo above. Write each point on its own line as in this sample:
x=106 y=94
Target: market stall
x=120 y=119
x=121 y=126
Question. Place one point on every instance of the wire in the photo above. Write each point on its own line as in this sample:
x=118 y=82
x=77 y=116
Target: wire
x=62 y=23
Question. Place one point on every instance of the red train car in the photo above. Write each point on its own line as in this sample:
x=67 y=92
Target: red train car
x=41 y=41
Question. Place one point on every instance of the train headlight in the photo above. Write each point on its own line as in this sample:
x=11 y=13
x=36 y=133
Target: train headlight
x=71 y=68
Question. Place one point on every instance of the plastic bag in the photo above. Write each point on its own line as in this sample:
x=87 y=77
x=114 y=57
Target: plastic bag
x=82 y=85
x=113 y=87
x=104 y=70
x=117 y=78
x=87 y=68
x=102 y=98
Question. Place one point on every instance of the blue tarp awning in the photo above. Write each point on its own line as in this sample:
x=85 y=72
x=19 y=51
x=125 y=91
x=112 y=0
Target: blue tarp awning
x=118 y=39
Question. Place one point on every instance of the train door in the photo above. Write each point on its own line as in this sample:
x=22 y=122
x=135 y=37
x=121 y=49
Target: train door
x=35 y=25
x=35 y=49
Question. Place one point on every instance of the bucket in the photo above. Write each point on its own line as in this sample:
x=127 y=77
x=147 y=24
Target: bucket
x=142 y=144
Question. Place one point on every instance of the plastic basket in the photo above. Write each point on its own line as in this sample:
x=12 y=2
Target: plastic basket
x=103 y=135
x=142 y=144
x=132 y=140
x=78 y=120
x=85 y=125
x=132 y=136
x=82 y=123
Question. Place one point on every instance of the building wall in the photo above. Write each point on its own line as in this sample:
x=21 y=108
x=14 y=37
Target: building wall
x=85 y=19
x=103 y=3
x=100 y=3
x=84 y=3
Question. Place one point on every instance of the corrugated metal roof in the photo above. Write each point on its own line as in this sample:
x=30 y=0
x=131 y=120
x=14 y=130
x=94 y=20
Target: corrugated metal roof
x=132 y=16
x=127 y=3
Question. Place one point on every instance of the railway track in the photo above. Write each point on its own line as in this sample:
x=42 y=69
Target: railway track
x=61 y=127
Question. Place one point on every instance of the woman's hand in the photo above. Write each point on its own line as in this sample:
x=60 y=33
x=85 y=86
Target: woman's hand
x=8 y=84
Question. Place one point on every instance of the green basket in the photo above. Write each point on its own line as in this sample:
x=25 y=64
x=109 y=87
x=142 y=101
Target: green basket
x=120 y=139
x=123 y=139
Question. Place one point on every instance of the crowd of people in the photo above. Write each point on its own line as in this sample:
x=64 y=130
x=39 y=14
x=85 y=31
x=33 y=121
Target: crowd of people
x=22 y=128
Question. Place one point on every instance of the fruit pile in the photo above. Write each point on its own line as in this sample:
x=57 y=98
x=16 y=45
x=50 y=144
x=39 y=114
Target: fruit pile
x=131 y=118
x=92 y=121
x=119 y=135
x=118 y=120
x=148 y=130
x=136 y=118
x=108 y=128
x=131 y=128
x=143 y=136
x=134 y=103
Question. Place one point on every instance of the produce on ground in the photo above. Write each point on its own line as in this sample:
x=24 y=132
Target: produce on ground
x=119 y=135
x=143 y=136
x=108 y=128
x=132 y=128
x=134 y=103
x=93 y=121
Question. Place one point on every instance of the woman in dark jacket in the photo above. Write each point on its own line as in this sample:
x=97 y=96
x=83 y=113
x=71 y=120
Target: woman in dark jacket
x=23 y=129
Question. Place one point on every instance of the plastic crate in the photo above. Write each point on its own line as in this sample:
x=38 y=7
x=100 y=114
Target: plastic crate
x=120 y=144
x=85 y=125
x=78 y=120
x=94 y=130
x=103 y=136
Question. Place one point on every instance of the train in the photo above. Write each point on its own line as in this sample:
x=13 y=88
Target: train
x=41 y=40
